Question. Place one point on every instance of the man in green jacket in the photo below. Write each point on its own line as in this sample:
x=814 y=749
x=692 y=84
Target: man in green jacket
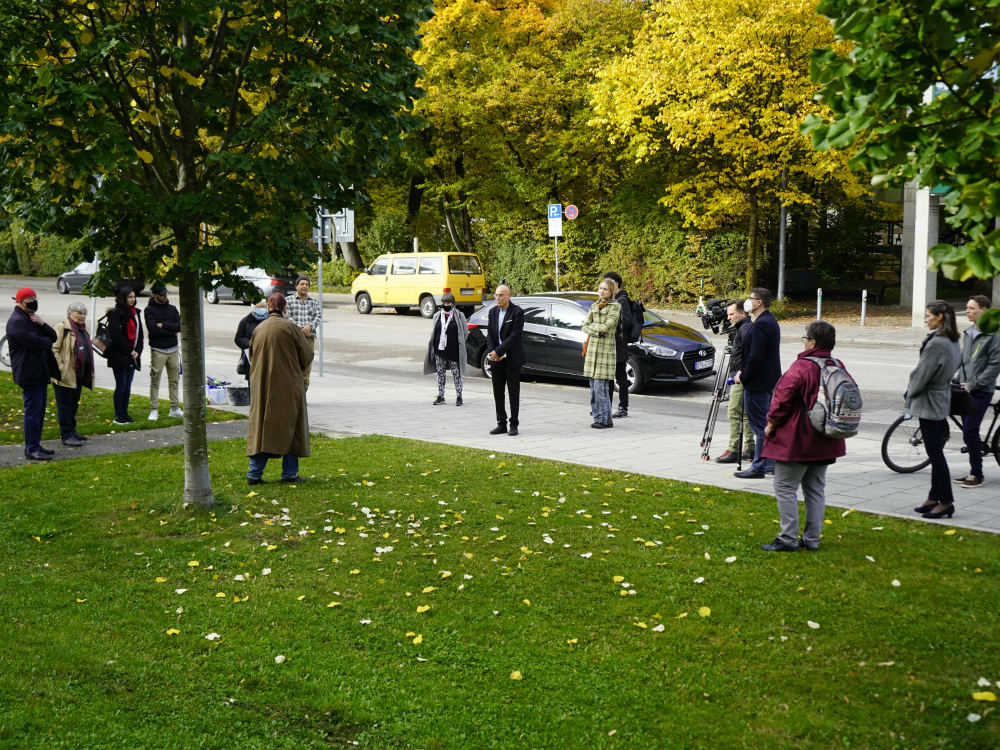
x=978 y=375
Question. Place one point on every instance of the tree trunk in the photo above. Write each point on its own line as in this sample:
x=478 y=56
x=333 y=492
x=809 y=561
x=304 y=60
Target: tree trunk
x=753 y=243
x=467 y=229
x=414 y=198
x=351 y=255
x=197 y=481
x=449 y=222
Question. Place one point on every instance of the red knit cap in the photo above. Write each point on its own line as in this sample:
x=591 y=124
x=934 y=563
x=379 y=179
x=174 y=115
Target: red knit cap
x=23 y=294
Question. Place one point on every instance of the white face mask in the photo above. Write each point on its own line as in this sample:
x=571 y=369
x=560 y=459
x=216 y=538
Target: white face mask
x=748 y=306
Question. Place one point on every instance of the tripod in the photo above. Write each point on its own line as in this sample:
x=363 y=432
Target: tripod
x=720 y=395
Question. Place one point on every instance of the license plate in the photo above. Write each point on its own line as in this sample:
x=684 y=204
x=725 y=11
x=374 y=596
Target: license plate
x=467 y=291
x=704 y=364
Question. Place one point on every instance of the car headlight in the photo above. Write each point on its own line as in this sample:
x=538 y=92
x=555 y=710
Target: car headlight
x=659 y=351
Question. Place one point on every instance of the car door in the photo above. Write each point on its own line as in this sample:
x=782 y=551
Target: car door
x=564 y=339
x=402 y=286
x=536 y=323
x=379 y=272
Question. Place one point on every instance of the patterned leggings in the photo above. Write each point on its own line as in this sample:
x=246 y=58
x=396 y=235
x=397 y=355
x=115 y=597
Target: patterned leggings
x=441 y=365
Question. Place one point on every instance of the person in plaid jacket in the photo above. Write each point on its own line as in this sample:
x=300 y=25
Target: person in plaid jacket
x=600 y=351
x=304 y=311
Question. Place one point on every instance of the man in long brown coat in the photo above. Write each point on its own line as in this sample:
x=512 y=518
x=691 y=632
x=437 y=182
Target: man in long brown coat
x=279 y=423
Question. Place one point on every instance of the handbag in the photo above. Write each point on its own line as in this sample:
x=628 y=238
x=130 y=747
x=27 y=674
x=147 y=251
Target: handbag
x=961 y=401
x=102 y=337
x=243 y=366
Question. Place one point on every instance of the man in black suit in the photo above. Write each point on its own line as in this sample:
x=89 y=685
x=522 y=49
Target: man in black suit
x=506 y=355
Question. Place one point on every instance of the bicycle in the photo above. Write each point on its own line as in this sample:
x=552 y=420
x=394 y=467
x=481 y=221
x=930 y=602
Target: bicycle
x=4 y=352
x=903 y=445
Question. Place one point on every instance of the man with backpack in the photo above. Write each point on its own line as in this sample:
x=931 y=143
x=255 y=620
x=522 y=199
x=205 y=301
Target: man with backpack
x=814 y=406
x=629 y=330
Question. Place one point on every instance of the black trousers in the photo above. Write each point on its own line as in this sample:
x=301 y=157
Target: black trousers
x=505 y=376
x=621 y=380
x=935 y=433
x=67 y=403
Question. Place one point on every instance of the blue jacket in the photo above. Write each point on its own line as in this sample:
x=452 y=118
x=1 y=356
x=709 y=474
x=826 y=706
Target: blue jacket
x=761 y=354
x=30 y=349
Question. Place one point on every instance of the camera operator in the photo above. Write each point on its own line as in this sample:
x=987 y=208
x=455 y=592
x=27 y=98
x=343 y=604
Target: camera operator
x=741 y=325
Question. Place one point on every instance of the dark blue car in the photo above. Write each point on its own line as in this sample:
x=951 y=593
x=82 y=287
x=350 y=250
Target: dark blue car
x=667 y=352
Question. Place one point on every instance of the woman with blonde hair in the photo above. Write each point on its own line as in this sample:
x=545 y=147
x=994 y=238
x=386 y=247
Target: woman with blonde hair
x=75 y=357
x=599 y=353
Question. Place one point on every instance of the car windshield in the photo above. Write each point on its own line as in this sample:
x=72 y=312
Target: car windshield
x=652 y=319
x=464 y=264
x=88 y=266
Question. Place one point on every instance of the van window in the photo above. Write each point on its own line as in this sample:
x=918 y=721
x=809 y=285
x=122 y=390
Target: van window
x=464 y=264
x=378 y=268
x=568 y=316
x=404 y=266
x=430 y=265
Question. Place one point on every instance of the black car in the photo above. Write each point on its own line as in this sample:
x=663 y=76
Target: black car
x=73 y=280
x=266 y=283
x=667 y=352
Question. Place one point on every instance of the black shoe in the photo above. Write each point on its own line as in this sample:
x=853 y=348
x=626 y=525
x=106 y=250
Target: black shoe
x=622 y=412
x=37 y=456
x=128 y=419
x=779 y=546
x=600 y=426
x=803 y=544
x=926 y=507
x=78 y=436
x=512 y=431
x=251 y=481
x=438 y=401
x=729 y=457
x=946 y=510
x=749 y=474
x=46 y=451
x=72 y=441
x=748 y=455
x=294 y=480
x=458 y=401
x=500 y=429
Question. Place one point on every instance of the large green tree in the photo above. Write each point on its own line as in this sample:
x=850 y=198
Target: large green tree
x=189 y=137
x=879 y=92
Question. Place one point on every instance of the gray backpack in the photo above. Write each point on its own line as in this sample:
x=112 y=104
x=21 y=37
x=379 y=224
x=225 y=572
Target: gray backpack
x=837 y=411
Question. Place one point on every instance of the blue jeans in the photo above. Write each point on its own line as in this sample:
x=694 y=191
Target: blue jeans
x=970 y=431
x=600 y=400
x=756 y=404
x=289 y=466
x=34 y=397
x=123 y=390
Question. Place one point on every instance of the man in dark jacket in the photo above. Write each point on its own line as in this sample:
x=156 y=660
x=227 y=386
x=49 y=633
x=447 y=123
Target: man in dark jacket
x=163 y=323
x=978 y=375
x=741 y=328
x=505 y=348
x=621 y=345
x=759 y=374
x=30 y=340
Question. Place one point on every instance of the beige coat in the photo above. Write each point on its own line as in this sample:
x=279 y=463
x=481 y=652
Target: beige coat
x=279 y=355
x=64 y=349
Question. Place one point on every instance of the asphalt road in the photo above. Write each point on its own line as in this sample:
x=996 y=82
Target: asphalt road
x=393 y=345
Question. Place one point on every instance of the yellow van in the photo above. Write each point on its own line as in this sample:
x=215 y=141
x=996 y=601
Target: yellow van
x=405 y=280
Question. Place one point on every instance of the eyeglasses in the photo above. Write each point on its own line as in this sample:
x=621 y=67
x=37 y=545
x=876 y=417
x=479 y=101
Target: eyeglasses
x=806 y=338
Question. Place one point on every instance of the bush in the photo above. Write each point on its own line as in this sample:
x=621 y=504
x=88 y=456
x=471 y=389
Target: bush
x=31 y=254
x=517 y=263
x=387 y=232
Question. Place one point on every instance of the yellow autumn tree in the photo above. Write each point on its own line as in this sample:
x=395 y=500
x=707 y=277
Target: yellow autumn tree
x=721 y=88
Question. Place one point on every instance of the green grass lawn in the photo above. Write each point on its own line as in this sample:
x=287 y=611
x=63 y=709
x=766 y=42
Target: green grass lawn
x=94 y=416
x=417 y=595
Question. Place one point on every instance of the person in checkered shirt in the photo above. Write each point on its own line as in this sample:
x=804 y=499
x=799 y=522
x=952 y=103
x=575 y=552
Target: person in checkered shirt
x=305 y=312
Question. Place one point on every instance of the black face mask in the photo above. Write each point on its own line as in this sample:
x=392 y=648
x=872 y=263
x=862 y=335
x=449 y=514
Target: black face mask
x=446 y=308
x=33 y=305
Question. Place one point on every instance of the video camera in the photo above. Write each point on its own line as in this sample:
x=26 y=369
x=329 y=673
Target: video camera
x=714 y=316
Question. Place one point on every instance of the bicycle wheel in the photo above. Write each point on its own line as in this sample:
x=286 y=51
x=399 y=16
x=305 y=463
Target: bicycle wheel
x=903 y=446
x=4 y=352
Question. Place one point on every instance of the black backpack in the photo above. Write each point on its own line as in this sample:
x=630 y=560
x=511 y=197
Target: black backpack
x=635 y=332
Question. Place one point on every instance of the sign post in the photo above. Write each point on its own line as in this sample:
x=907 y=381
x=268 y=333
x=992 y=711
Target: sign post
x=555 y=231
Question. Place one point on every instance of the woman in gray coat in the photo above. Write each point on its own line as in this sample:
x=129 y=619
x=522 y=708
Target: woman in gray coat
x=446 y=349
x=928 y=397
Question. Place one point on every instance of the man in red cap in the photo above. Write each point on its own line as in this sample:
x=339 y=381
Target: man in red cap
x=30 y=340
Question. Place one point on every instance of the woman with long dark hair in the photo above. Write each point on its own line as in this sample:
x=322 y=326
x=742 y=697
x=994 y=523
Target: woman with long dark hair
x=125 y=327
x=928 y=397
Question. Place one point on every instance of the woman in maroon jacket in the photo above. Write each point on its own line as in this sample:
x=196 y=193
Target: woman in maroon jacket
x=801 y=454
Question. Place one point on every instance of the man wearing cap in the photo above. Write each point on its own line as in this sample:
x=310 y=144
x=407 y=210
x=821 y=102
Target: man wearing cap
x=304 y=311
x=30 y=340
x=163 y=323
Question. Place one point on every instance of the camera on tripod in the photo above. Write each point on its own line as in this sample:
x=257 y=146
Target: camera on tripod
x=714 y=316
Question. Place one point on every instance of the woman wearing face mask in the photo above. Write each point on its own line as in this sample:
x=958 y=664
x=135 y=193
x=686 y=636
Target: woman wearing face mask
x=599 y=363
x=928 y=396
x=125 y=328
x=256 y=316
x=75 y=356
x=446 y=349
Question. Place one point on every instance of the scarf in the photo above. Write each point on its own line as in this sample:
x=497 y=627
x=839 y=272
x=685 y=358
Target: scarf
x=445 y=320
x=81 y=354
x=132 y=330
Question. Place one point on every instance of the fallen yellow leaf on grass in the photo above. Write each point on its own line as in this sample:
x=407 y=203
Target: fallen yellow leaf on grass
x=418 y=640
x=271 y=547
x=172 y=631
x=641 y=625
x=193 y=563
x=355 y=572
x=573 y=641
x=949 y=532
x=704 y=611
x=80 y=601
x=515 y=675
x=220 y=595
x=428 y=589
x=161 y=579
x=251 y=494
x=446 y=574
x=985 y=695
x=423 y=608
x=681 y=616
x=300 y=598
x=333 y=604
x=618 y=579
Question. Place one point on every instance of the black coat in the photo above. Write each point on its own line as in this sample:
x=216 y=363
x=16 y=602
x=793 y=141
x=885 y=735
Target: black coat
x=762 y=355
x=740 y=332
x=166 y=337
x=509 y=336
x=624 y=326
x=245 y=330
x=30 y=349
x=119 y=354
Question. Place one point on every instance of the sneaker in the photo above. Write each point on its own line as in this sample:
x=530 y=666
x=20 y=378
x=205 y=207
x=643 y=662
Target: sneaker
x=803 y=544
x=622 y=412
x=729 y=457
x=458 y=401
x=153 y=415
x=118 y=421
x=128 y=419
x=176 y=412
x=971 y=481
x=439 y=400
x=748 y=454
x=779 y=546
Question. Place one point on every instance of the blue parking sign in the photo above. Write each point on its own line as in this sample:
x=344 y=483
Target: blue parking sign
x=555 y=210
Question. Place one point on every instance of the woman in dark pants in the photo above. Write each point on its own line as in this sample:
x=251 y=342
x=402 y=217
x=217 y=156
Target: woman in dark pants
x=928 y=397
x=125 y=328
x=75 y=357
